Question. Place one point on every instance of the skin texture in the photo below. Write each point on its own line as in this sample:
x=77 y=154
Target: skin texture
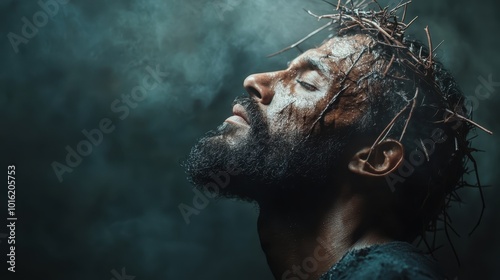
x=293 y=99
x=325 y=226
x=294 y=143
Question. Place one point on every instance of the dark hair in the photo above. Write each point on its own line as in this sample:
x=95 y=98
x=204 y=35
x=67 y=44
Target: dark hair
x=415 y=100
x=419 y=110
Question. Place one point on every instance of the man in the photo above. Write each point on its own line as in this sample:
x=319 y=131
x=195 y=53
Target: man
x=350 y=153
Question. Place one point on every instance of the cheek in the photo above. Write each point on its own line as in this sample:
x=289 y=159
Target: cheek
x=347 y=113
x=294 y=113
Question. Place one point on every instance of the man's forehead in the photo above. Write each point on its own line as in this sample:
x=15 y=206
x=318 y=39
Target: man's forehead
x=342 y=47
x=336 y=48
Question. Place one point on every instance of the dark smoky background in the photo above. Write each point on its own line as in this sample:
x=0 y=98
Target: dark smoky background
x=117 y=212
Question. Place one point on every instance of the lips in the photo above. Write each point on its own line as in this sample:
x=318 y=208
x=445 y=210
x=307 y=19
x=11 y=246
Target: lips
x=240 y=116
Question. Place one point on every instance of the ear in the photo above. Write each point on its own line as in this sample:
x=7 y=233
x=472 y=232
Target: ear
x=383 y=159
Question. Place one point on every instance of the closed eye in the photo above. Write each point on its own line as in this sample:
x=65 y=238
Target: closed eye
x=306 y=86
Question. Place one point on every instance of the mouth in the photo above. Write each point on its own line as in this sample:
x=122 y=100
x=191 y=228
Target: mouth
x=239 y=117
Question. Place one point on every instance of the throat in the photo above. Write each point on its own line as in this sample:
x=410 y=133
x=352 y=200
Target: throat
x=297 y=242
x=304 y=240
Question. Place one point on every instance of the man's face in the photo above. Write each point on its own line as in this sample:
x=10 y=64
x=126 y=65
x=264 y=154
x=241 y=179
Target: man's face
x=292 y=128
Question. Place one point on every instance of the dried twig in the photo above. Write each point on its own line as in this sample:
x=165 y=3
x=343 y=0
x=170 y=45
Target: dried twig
x=380 y=138
x=325 y=110
x=302 y=40
x=409 y=116
x=439 y=45
x=352 y=65
x=469 y=121
x=387 y=30
x=429 y=40
x=389 y=65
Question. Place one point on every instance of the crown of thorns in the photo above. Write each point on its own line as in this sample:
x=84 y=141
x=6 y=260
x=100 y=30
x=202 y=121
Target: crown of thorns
x=388 y=27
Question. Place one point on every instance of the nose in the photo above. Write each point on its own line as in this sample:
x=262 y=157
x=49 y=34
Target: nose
x=259 y=87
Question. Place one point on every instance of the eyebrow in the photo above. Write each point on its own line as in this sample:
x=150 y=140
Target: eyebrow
x=314 y=64
x=311 y=64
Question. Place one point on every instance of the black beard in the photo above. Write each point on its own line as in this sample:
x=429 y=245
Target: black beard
x=261 y=165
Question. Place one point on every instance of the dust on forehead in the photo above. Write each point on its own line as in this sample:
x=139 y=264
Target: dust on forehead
x=345 y=46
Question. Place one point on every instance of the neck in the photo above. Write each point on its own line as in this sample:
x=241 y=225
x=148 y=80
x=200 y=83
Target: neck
x=305 y=238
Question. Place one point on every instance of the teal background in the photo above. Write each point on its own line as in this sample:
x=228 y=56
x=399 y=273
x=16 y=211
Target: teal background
x=119 y=207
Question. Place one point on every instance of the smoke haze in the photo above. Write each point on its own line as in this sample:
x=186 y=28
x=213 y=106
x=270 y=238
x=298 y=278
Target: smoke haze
x=118 y=207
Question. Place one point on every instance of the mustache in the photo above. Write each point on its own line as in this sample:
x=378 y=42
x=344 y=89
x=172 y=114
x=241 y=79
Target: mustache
x=255 y=115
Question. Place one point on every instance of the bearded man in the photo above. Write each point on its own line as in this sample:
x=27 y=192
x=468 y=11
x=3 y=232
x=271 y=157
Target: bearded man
x=350 y=153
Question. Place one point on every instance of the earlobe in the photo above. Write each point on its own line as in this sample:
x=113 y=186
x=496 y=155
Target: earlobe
x=383 y=159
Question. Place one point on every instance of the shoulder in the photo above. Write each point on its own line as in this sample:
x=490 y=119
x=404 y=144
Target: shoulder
x=394 y=260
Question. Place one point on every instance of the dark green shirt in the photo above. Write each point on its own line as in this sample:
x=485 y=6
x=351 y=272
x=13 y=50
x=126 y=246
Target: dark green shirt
x=393 y=260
